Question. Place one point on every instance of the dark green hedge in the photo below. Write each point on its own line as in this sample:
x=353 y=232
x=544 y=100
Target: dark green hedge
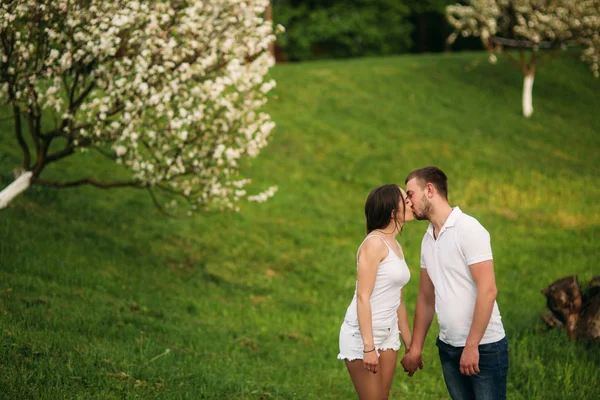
x=354 y=28
x=349 y=28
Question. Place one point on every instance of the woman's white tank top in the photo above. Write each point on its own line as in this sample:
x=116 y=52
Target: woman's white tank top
x=392 y=275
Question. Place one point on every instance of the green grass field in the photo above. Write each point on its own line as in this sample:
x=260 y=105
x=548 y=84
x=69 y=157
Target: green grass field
x=96 y=285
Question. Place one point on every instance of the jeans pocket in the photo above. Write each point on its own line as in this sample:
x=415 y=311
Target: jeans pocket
x=489 y=349
x=493 y=357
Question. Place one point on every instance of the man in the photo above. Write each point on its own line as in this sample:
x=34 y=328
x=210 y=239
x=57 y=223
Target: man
x=458 y=284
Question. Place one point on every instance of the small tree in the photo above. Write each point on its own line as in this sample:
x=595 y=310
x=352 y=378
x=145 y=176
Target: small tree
x=529 y=26
x=169 y=89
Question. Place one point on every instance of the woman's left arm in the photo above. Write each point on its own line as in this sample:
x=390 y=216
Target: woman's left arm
x=403 y=325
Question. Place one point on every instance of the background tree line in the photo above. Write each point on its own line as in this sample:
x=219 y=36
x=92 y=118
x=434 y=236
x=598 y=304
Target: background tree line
x=355 y=28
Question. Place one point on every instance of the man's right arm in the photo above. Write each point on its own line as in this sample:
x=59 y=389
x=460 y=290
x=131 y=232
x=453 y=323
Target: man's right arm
x=423 y=316
x=424 y=311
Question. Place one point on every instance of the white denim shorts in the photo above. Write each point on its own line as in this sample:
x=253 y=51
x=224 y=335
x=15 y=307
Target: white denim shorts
x=351 y=342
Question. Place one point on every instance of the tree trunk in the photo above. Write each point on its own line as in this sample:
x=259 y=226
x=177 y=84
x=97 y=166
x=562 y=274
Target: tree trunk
x=269 y=17
x=422 y=29
x=528 y=93
x=14 y=189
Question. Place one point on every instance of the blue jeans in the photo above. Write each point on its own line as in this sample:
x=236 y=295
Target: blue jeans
x=488 y=384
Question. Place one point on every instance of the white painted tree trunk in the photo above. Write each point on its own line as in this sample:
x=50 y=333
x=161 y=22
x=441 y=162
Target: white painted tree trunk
x=14 y=189
x=528 y=94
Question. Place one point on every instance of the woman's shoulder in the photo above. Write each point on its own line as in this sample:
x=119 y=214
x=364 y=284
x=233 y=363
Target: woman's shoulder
x=373 y=245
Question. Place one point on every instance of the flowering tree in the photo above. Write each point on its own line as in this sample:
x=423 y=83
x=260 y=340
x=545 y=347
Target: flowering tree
x=169 y=89
x=531 y=25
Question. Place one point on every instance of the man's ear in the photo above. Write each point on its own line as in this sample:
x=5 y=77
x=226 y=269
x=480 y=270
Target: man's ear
x=429 y=190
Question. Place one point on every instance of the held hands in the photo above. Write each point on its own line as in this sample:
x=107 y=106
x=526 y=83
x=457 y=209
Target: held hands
x=411 y=362
x=469 y=361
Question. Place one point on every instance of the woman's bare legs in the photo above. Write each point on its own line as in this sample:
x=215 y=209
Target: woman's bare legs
x=370 y=386
x=387 y=366
x=367 y=384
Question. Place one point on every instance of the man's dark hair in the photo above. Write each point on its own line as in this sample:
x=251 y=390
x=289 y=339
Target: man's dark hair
x=432 y=175
x=381 y=205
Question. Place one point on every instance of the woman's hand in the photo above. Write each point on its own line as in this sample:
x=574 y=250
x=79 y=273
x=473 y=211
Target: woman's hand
x=407 y=344
x=371 y=361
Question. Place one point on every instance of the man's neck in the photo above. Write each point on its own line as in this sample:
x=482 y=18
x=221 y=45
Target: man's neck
x=439 y=217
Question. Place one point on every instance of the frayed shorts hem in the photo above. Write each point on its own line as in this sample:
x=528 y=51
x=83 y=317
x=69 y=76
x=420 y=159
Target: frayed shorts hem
x=356 y=357
x=351 y=344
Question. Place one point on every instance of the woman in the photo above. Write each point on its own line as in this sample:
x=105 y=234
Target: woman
x=376 y=316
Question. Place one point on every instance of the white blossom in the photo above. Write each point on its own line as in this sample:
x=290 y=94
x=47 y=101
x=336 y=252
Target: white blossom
x=531 y=24
x=120 y=150
x=264 y=196
x=174 y=87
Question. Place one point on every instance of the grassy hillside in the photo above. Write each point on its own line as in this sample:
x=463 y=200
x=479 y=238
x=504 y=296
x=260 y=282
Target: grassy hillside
x=96 y=285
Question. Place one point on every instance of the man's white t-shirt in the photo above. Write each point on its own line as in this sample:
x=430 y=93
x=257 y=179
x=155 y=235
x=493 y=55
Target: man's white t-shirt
x=461 y=242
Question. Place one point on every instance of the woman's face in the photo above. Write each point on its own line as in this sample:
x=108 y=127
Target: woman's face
x=408 y=214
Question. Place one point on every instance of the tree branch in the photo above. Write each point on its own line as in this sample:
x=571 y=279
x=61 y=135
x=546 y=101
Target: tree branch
x=20 y=138
x=67 y=151
x=106 y=154
x=173 y=191
x=520 y=43
x=82 y=97
x=157 y=204
x=523 y=62
x=90 y=181
x=515 y=43
x=57 y=132
x=31 y=119
x=72 y=91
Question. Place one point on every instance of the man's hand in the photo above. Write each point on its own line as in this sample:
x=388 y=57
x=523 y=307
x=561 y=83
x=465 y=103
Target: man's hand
x=469 y=361
x=411 y=362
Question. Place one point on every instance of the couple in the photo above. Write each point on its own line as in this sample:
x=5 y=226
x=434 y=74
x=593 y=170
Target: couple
x=457 y=282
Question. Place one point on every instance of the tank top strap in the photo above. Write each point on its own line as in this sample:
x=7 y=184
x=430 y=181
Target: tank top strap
x=367 y=238
x=401 y=250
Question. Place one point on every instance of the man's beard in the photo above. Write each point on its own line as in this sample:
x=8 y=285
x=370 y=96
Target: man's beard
x=425 y=211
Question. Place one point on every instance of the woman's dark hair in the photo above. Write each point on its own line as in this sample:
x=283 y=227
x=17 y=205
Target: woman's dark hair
x=382 y=205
